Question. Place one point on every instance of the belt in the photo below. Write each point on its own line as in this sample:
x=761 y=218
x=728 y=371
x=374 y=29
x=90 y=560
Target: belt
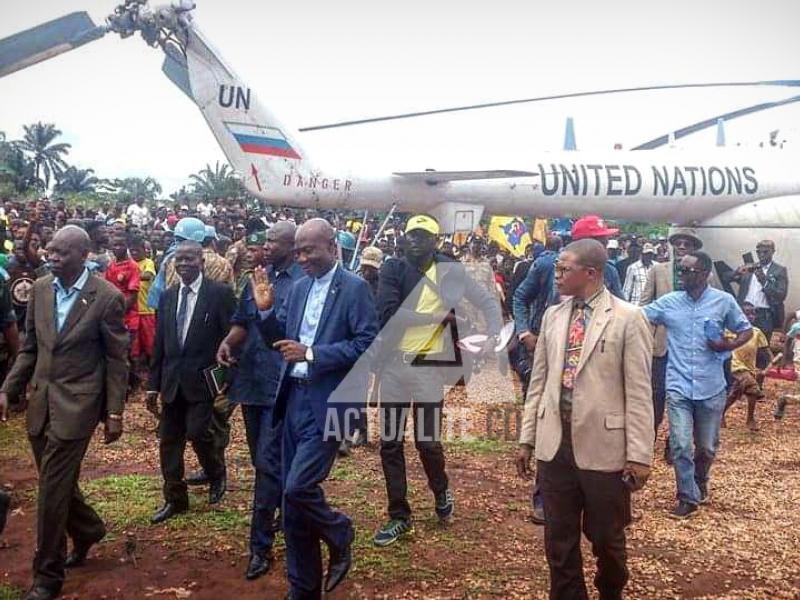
x=300 y=381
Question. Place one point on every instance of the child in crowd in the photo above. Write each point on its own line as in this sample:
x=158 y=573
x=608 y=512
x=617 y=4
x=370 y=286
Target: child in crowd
x=745 y=373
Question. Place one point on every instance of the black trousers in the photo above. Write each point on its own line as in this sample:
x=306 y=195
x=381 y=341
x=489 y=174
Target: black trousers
x=220 y=426
x=405 y=390
x=61 y=509
x=598 y=503
x=182 y=421
x=659 y=385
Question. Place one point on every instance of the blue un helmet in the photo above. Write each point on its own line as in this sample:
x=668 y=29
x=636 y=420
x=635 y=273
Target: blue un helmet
x=346 y=240
x=190 y=229
x=211 y=233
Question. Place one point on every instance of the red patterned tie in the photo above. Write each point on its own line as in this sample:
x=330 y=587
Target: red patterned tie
x=577 y=333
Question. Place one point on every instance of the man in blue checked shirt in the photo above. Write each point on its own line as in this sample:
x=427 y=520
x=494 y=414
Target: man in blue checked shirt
x=695 y=319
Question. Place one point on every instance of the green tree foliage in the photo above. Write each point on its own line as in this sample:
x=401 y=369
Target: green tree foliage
x=217 y=182
x=130 y=188
x=76 y=181
x=40 y=146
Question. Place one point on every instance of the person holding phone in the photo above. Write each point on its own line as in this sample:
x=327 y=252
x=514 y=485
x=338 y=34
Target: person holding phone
x=592 y=448
x=764 y=284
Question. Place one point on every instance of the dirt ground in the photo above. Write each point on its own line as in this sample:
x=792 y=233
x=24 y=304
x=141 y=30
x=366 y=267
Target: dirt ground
x=745 y=544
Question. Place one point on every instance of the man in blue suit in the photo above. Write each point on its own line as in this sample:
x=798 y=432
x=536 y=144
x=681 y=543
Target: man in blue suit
x=256 y=370
x=326 y=324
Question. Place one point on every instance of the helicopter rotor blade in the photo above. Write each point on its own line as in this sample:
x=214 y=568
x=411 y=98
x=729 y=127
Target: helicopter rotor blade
x=439 y=111
x=47 y=40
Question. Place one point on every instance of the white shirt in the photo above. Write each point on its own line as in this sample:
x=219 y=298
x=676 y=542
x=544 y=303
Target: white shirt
x=315 y=302
x=635 y=278
x=755 y=295
x=138 y=214
x=191 y=301
x=207 y=210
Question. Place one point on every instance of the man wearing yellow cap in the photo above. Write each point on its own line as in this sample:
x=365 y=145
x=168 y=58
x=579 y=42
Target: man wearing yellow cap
x=418 y=296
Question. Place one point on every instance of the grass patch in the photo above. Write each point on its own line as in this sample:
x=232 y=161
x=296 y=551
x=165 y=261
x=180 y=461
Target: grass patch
x=345 y=470
x=10 y=593
x=124 y=500
x=130 y=500
x=482 y=446
x=13 y=442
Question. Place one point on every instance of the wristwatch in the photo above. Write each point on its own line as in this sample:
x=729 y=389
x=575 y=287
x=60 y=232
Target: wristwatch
x=309 y=355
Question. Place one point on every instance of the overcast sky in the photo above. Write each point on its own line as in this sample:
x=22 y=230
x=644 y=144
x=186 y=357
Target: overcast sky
x=317 y=62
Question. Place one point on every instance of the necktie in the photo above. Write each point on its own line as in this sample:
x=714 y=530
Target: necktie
x=575 y=337
x=182 y=310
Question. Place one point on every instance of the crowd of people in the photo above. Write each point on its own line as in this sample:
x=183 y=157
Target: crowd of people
x=305 y=319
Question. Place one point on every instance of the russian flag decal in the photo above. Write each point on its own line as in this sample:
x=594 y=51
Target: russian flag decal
x=257 y=139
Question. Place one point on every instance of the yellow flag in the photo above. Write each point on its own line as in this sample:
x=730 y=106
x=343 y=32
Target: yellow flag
x=539 y=232
x=510 y=233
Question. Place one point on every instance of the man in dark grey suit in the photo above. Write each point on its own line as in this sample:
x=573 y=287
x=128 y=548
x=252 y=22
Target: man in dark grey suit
x=75 y=358
x=764 y=285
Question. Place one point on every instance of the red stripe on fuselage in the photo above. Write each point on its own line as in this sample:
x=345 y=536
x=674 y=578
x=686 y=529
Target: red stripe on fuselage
x=254 y=149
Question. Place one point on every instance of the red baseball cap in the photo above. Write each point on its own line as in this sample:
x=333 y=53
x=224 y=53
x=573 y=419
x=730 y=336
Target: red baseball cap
x=591 y=226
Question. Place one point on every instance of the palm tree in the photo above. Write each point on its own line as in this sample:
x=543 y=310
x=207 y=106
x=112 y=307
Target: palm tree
x=219 y=182
x=76 y=181
x=47 y=156
x=130 y=188
x=16 y=170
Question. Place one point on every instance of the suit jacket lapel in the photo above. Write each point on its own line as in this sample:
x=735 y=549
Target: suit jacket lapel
x=293 y=327
x=171 y=320
x=670 y=276
x=560 y=328
x=597 y=326
x=199 y=314
x=330 y=300
x=49 y=307
x=79 y=307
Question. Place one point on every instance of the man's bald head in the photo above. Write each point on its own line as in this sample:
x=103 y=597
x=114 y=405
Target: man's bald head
x=74 y=237
x=282 y=231
x=279 y=247
x=316 y=228
x=589 y=253
x=315 y=247
x=579 y=270
x=66 y=253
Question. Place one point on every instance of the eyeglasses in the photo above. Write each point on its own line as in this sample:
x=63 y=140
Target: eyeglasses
x=688 y=270
x=564 y=270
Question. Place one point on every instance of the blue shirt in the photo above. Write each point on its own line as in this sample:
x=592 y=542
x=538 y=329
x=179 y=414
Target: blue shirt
x=694 y=370
x=65 y=299
x=315 y=302
x=258 y=371
x=532 y=296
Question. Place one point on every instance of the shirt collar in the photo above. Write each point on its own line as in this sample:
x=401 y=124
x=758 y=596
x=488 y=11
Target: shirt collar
x=78 y=285
x=195 y=285
x=592 y=300
x=325 y=279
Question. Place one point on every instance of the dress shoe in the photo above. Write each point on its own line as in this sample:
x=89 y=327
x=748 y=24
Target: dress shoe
x=197 y=478
x=5 y=504
x=77 y=557
x=167 y=511
x=40 y=592
x=217 y=490
x=259 y=566
x=340 y=563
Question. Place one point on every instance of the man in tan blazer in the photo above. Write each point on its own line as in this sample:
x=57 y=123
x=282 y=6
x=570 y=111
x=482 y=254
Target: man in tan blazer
x=661 y=280
x=589 y=420
x=75 y=358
